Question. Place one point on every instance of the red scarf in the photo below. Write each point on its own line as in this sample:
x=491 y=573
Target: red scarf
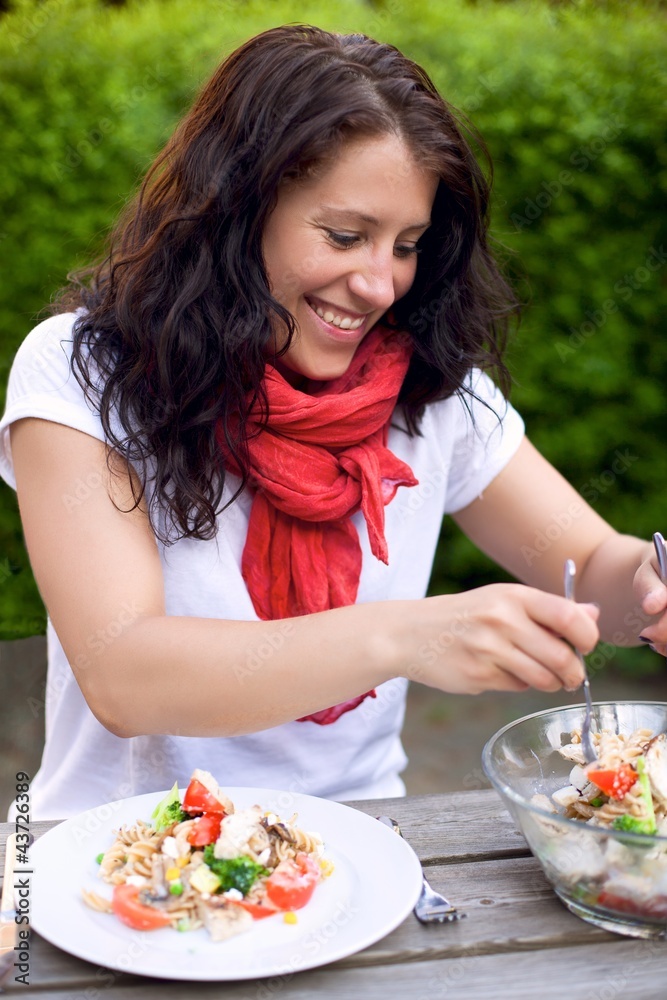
x=320 y=459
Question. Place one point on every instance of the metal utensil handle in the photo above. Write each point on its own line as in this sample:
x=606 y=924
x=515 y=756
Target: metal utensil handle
x=586 y=739
x=661 y=553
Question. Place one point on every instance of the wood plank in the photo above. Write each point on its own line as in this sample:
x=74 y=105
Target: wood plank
x=37 y=830
x=453 y=827
x=611 y=970
x=509 y=904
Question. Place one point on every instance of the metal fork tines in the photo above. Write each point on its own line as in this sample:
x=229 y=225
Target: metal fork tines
x=432 y=907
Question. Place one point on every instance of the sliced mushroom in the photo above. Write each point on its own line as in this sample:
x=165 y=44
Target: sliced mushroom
x=655 y=755
x=223 y=919
x=281 y=831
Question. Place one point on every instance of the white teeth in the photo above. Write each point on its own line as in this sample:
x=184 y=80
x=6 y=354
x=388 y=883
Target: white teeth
x=345 y=323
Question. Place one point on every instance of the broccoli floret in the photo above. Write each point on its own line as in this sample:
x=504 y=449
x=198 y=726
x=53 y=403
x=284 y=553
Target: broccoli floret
x=168 y=810
x=236 y=873
x=632 y=824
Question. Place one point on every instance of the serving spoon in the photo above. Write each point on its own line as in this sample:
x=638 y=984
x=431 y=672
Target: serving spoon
x=661 y=553
x=586 y=739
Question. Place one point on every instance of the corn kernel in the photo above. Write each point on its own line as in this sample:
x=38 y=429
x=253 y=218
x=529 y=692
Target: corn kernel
x=290 y=918
x=172 y=873
x=182 y=862
x=326 y=867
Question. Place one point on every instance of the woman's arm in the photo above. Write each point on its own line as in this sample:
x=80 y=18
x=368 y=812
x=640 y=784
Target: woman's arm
x=530 y=520
x=142 y=672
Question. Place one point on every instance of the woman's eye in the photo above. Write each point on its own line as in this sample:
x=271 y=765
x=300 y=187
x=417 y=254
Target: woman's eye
x=405 y=251
x=344 y=240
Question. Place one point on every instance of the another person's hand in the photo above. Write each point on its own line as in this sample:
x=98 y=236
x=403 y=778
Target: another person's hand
x=652 y=596
x=503 y=637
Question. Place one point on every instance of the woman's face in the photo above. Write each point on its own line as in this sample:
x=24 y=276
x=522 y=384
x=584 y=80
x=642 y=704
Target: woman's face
x=339 y=250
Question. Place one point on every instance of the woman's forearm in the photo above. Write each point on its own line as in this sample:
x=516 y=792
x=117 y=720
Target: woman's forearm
x=607 y=578
x=207 y=677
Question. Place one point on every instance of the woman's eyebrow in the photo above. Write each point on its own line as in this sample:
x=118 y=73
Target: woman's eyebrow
x=351 y=213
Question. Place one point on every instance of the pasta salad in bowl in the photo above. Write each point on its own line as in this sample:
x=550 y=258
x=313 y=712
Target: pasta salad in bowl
x=598 y=830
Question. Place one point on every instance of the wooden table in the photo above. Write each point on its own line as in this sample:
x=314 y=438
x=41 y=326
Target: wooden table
x=518 y=940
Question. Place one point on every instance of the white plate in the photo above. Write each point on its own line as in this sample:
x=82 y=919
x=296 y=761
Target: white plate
x=374 y=886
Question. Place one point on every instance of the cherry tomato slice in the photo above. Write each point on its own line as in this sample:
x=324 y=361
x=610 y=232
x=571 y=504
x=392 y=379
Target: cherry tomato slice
x=617 y=783
x=258 y=910
x=206 y=830
x=655 y=908
x=198 y=799
x=293 y=882
x=140 y=916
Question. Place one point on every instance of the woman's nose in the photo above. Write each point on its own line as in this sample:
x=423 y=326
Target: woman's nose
x=373 y=282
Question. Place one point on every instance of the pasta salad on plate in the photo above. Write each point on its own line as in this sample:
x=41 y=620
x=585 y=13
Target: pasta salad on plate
x=201 y=862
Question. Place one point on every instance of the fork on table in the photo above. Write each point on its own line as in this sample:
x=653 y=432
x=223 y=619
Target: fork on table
x=432 y=907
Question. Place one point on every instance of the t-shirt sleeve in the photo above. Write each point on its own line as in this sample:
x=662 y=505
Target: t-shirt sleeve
x=487 y=433
x=41 y=384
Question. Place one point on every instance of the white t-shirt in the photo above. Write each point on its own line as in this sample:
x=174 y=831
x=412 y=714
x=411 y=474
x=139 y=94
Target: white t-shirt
x=358 y=756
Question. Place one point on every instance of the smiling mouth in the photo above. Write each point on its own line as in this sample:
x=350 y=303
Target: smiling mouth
x=338 y=319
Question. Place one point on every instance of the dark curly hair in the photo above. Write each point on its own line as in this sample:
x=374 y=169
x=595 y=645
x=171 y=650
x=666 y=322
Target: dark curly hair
x=177 y=317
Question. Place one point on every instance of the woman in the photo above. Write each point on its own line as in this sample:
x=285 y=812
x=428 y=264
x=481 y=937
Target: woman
x=234 y=445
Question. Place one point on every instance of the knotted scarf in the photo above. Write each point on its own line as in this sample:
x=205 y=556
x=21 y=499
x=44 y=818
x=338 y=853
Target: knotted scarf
x=320 y=459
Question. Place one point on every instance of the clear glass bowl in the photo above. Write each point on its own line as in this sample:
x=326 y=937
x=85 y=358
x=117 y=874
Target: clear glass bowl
x=612 y=879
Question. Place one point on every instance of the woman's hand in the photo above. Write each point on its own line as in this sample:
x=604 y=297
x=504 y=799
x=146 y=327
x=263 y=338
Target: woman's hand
x=651 y=593
x=504 y=637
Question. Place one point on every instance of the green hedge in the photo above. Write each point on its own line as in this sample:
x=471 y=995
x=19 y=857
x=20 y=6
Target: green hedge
x=570 y=98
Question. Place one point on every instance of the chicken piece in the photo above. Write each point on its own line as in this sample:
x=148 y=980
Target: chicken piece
x=242 y=833
x=223 y=919
x=573 y=752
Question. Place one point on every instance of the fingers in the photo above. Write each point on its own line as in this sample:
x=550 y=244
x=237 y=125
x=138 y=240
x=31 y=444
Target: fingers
x=575 y=623
x=547 y=662
x=649 y=588
x=652 y=594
